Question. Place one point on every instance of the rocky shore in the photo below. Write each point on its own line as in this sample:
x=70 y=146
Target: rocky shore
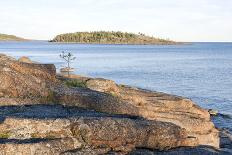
x=43 y=112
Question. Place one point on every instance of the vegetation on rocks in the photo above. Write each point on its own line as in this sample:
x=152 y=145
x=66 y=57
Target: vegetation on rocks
x=75 y=83
x=50 y=98
x=104 y=37
x=5 y=135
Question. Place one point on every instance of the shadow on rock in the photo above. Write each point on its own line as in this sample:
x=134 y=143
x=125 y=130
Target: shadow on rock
x=45 y=111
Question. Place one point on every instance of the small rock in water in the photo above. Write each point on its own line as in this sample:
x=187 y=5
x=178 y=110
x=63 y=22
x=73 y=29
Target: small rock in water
x=213 y=112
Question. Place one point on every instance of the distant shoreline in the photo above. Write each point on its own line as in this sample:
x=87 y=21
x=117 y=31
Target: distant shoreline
x=179 y=43
x=6 y=37
x=48 y=41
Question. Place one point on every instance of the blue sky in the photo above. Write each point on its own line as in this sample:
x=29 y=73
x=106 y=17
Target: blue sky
x=181 y=20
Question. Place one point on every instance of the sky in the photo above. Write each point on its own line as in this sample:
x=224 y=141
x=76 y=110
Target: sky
x=179 y=20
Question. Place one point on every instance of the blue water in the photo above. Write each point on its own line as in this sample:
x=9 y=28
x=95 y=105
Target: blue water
x=199 y=71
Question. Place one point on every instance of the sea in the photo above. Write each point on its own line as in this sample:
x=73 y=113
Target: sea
x=199 y=71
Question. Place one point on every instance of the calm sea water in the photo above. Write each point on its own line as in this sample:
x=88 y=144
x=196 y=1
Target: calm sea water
x=199 y=71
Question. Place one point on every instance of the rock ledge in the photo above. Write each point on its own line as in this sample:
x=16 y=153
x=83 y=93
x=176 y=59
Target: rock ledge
x=45 y=113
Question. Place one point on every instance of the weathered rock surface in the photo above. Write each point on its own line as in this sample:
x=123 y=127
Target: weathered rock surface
x=103 y=85
x=57 y=124
x=20 y=79
x=225 y=148
x=201 y=150
x=150 y=105
x=100 y=118
x=25 y=59
x=37 y=146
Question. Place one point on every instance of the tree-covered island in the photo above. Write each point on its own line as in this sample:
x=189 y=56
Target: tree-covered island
x=5 y=37
x=105 y=37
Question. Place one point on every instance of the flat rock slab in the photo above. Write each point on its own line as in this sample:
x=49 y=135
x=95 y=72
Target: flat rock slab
x=88 y=128
x=142 y=103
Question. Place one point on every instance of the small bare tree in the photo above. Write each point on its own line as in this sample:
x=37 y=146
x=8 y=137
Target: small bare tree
x=68 y=57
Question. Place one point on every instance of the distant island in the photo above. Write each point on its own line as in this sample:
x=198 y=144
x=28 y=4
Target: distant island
x=5 y=37
x=104 y=37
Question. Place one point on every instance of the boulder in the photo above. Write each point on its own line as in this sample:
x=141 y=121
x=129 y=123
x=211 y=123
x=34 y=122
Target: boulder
x=103 y=85
x=25 y=59
x=19 y=79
